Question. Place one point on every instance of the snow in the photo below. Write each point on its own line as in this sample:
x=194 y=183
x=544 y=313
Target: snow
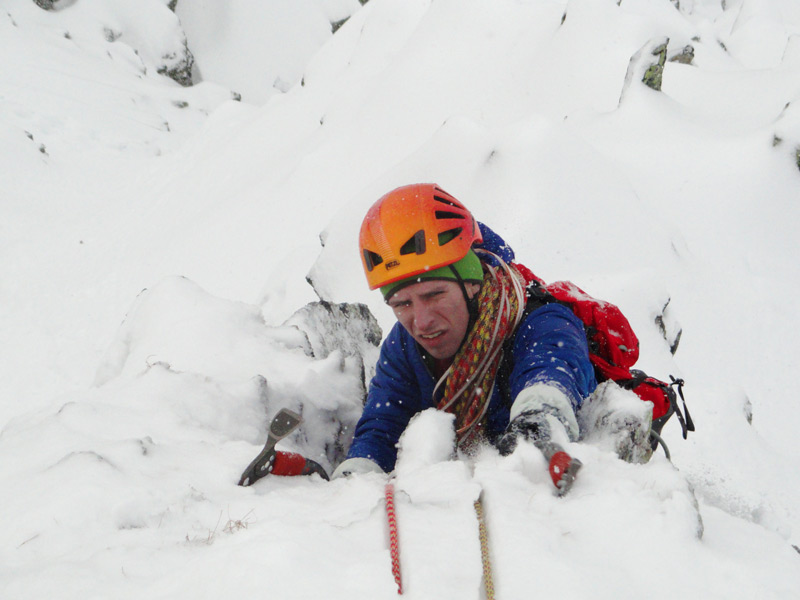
x=156 y=241
x=258 y=48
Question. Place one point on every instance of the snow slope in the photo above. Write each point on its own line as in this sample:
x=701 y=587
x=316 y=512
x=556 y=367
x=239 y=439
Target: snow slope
x=156 y=241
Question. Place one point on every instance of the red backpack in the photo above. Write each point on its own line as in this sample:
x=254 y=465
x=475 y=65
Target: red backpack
x=614 y=349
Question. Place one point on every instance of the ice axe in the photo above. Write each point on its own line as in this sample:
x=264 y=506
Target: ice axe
x=283 y=423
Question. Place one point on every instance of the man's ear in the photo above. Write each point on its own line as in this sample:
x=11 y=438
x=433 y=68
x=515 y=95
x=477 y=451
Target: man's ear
x=472 y=289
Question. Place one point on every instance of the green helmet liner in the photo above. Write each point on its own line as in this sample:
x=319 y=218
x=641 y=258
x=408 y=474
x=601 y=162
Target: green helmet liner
x=469 y=269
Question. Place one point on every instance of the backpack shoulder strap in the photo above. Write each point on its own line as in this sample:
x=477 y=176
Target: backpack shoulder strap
x=536 y=293
x=536 y=297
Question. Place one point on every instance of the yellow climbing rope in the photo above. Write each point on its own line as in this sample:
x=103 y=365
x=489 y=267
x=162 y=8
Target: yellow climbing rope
x=487 y=564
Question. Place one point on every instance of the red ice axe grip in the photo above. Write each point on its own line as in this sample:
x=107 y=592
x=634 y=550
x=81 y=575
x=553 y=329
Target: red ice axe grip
x=288 y=463
x=563 y=469
x=291 y=463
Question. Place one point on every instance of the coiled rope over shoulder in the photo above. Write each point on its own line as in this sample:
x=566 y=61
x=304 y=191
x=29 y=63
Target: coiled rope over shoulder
x=469 y=381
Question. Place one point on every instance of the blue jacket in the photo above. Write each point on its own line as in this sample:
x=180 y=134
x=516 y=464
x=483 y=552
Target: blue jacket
x=549 y=346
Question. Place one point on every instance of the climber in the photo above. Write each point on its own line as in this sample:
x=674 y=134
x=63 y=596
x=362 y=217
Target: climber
x=471 y=338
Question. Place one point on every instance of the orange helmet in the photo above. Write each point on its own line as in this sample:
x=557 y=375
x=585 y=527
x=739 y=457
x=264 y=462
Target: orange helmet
x=414 y=229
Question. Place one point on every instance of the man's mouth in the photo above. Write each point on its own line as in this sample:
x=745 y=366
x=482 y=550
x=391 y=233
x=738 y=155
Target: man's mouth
x=430 y=336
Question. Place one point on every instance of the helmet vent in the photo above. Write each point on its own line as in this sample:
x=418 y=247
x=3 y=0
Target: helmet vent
x=444 y=200
x=371 y=259
x=415 y=244
x=449 y=235
x=443 y=214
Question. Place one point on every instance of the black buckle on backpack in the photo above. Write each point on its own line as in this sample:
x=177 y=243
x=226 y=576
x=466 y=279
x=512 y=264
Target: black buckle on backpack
x=686 y=422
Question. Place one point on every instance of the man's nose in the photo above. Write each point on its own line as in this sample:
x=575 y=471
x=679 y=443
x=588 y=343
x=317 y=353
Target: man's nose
x=423 y=317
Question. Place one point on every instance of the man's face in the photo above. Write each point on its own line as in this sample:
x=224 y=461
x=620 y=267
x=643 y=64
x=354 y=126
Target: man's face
x=435 y=314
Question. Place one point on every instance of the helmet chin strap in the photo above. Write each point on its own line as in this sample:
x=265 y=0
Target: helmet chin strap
x=472 y=303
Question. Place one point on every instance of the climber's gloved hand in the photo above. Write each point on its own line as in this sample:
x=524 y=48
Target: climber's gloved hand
x=536 y=410
x=356 y=466
x=529 y=426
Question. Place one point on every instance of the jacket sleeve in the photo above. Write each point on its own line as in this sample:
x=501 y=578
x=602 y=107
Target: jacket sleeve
x=394 y=397
x=550 y=348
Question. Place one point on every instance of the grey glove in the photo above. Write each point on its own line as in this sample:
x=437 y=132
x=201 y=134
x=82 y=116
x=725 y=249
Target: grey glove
x=531 y=426
x=356 y=466
x=534 y=427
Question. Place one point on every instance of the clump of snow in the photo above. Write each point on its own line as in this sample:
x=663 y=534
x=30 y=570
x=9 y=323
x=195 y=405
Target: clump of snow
x=428 y=439
x=616 y=419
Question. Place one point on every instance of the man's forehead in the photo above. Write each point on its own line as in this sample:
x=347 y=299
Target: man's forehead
x=424 y=287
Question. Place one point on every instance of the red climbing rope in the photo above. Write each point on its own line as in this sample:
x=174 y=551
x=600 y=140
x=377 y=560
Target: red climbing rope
x=394 y=545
